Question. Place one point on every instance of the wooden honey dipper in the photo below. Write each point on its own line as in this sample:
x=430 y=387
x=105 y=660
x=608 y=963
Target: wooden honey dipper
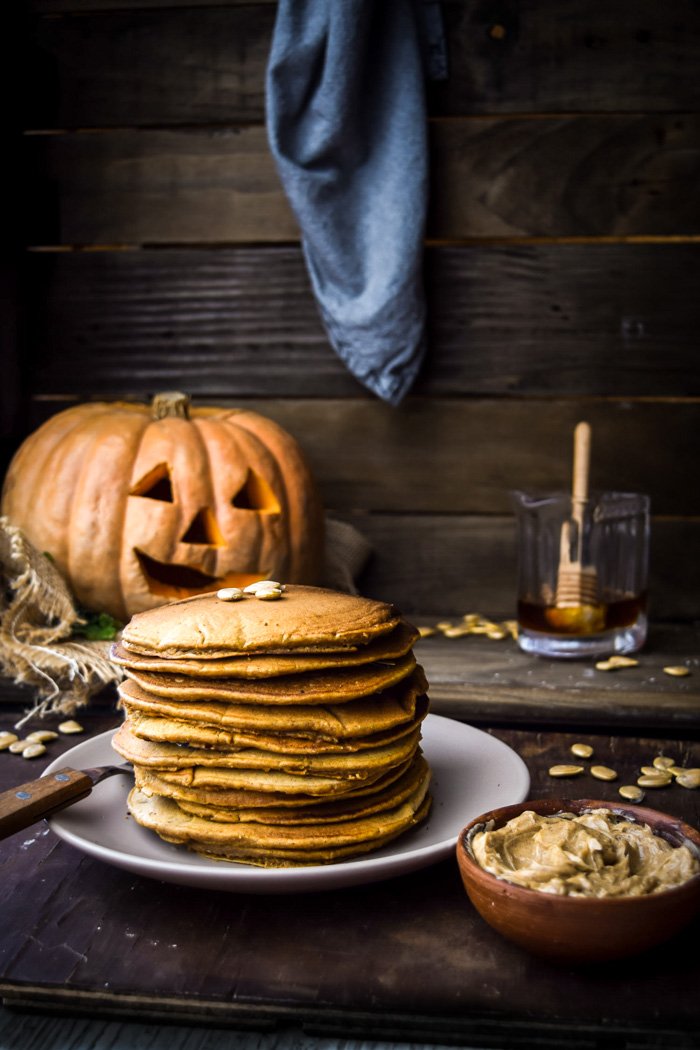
x=577 y=608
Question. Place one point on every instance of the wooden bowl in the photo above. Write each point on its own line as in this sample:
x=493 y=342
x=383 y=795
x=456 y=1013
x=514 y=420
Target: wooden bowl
x=580 y=929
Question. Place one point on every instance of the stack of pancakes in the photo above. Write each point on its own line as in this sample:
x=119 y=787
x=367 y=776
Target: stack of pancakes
x=275 y=733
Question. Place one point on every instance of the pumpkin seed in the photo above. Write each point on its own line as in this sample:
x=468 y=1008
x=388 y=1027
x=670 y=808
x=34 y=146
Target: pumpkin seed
x=33 y=751
x=663 y=762
x=18 y=746
x=689 y=779
x=71 y=726
x=631 y=793
x=649 y=771
x=581 y=750
x=252 y=588
x=565 y=771
x=677 y=671
x=614 y=663
x=658 y=781
x=230 y=594
x=497 y=633
x=603 y=773
x=676 y=771
x=444 y=625
x=6 y=739
x=512 y=627
x=268 y=594
x=426 y=632
x=457 y=632
x=40 y=736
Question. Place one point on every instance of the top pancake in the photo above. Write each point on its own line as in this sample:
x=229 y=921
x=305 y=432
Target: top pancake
x=304 y=619
x=396 y=643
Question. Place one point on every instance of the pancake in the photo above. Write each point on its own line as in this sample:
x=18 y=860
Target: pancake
x=370 y=714
x=304 y=619
x=352 y=765
x=319 y=812
x=305 y=844
x=267 y=858
x=257 y=780
x=388 y=647
x=244 y=799
x=316 y=687
x=171 y=731
x=275 y=733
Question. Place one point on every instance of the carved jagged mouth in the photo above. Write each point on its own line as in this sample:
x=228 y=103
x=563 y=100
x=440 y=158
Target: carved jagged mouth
x=171 y=580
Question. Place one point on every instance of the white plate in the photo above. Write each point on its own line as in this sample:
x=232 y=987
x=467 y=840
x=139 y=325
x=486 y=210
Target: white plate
x=472 y=773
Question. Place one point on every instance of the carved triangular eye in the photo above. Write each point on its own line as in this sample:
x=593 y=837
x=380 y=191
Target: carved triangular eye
x=204 y=529
x=156 y=484
x=256 y=494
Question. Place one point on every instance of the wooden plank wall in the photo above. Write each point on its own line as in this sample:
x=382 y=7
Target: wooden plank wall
x=561 y=267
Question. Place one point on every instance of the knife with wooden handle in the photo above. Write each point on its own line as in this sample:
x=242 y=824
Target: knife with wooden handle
x=28 y=803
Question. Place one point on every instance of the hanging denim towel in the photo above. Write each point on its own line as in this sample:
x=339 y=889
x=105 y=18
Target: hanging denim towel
x=346 y=122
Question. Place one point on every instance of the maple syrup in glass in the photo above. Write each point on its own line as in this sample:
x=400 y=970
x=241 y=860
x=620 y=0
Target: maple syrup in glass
x=613 y=548
x=621 y=612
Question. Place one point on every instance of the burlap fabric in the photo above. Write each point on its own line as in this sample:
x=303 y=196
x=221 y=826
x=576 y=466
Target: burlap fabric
x=37 y=619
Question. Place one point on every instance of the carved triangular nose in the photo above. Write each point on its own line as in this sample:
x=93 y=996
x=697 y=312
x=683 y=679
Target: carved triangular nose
x=203 y=529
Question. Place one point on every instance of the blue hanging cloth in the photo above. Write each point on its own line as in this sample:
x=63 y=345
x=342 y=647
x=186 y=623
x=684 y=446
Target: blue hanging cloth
x=346 y=122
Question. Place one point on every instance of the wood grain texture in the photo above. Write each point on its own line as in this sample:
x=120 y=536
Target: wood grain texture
x=27 y=1028
x=140 y=187
x=602 y=319
x=88 y=6
x=553 y=56
x=564 y=176
x=31 y=1030
x=512 y=58
x=27 y=803
x=563 y=319
x=93 y=938
x=491 y=178
x=214 y=72
x=488 y=682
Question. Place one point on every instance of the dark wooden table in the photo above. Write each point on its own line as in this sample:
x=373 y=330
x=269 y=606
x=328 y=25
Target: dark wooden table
x=403 y=959
x=477 y=680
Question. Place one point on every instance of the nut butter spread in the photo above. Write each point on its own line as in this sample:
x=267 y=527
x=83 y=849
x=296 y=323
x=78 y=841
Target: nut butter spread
x=594 y=854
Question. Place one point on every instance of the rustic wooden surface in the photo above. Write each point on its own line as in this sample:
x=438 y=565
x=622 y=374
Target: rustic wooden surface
x=487 y=682
x=491 y=178
x=33 y=1031
x=407 y=958
x=562 y=319
x=549 y=56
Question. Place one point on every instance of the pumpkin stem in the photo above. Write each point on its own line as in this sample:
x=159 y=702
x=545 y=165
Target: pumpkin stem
x=170 y=403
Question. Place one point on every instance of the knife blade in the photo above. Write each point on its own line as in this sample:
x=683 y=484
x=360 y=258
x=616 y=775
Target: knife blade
x=28 y=803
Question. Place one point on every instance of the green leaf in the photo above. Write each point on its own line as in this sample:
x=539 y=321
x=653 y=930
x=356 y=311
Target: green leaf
x=96 y=627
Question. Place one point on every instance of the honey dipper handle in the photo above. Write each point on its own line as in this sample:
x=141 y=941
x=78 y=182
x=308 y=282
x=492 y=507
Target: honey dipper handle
x=582 y=459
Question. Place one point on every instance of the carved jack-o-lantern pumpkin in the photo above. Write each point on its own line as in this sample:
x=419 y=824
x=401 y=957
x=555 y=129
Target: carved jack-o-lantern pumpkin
x=141 y=505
